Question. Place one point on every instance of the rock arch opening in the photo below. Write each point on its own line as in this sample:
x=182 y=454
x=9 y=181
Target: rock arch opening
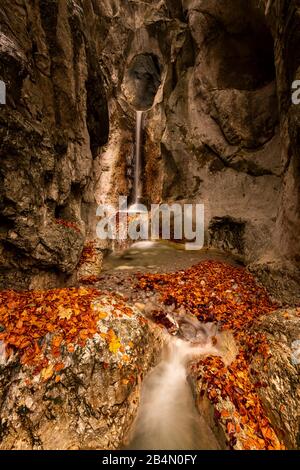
x=142 y=81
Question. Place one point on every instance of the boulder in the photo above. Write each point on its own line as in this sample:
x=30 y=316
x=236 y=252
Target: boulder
x=87 y=397
x=279 y=373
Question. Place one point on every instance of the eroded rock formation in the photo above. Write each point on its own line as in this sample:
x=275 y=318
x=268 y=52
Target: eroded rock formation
x=55 y=121
x=280 y=373
x=85 y=398
x=218 y=132
x=215 y=78
x=221 y=129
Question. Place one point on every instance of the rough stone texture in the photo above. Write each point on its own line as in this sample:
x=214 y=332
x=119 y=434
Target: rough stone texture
x=91 y=261
x=95 y=402
x=141 y=82
x=280 y=277
x=216 y=74
x=277 y=379
x=280 y=373
x=51 y=130
x=222 y=129
x=220 y=144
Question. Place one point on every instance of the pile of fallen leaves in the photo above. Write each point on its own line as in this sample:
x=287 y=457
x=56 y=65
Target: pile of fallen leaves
x=228 y=295
x=214 y=292
x=65 y=317
x=67 y=224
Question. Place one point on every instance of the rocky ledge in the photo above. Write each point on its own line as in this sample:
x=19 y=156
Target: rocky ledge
x=71 y=387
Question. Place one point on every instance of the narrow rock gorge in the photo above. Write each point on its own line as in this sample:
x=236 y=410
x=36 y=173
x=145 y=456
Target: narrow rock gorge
x=83 y=320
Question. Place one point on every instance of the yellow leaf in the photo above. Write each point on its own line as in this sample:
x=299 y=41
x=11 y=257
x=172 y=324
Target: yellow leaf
x=101 y=315
x=114 y=345
x=64 y=313
x=47 y=373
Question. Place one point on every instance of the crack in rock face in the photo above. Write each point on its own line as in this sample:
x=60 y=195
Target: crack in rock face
x=142 y=81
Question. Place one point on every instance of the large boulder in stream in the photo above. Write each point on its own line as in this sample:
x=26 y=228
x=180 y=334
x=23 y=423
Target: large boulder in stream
x=269 y=390
x=81 y=394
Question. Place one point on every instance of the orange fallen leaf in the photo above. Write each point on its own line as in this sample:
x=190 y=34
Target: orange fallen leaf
x=58 y=367
x=230 y=428
x=70 y=348
x=56 y=341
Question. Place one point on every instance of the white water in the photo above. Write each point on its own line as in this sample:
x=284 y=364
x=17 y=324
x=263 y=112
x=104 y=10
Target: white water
x=138 y=143
x=167 y=417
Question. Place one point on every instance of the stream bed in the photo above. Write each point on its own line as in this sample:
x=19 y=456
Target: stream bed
x=159 y=257
x=168 y=417
x=121 y=268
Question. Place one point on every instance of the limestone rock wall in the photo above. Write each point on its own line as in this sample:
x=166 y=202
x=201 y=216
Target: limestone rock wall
x=280 y=373
x=51 y=129
x=221 y=130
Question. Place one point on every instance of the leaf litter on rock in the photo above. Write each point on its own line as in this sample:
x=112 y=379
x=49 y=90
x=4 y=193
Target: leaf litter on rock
x=229 y=296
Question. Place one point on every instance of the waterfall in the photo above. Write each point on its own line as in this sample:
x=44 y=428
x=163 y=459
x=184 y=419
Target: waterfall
x=168 y=418
x=138 y=153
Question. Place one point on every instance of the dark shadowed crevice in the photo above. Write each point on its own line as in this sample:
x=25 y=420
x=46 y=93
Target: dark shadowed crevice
x=142 y=81
x=175 y=9
x=243 y=50
x=49 y=19
x=97 y=108
x=246 y=60
x=227 y=234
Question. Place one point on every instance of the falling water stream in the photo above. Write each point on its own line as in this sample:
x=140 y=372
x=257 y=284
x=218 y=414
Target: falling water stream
x=167 y=418
x=138 y=143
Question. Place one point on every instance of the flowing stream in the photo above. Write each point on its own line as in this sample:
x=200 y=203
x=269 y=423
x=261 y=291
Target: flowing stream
x=138 y=143
x=167 y=417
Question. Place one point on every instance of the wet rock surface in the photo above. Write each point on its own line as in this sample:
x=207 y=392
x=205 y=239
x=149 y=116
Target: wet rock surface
x=221 y=131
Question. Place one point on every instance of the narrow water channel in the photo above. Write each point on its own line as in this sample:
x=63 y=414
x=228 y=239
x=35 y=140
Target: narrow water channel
x=167 y=417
